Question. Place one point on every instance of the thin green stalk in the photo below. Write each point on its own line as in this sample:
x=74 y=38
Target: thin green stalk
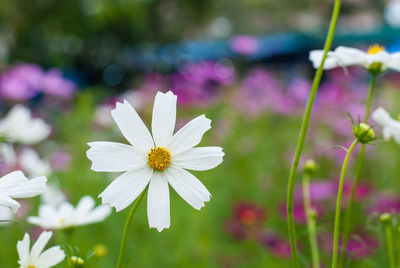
x=360 y=165
x=389 y=243
x=339 y=206
x=126 y=229
x=303 y=134
x=311 y=222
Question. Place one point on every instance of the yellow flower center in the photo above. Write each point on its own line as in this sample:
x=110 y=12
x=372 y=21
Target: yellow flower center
x=31 y=266
x=159 y=158
x=374 y=49
x=62 y=221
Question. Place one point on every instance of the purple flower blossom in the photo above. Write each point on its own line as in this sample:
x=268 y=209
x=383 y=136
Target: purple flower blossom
x=259 y=91
x=25 y=81
x=53 y=83
x=319 y=190
x=244 y=44
x=299 y=213
x=246 y=221
x=21 y=82
x=276 y=245
x=360 y=245
x=201 y=83
x=386 y=205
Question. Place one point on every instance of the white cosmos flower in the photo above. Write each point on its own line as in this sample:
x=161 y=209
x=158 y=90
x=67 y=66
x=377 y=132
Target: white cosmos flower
x=36 y=257
x=53 y=196
x=32 y=164
x=67 y=216
x=347 y=56
x=16 y=185
x=390 y=126
x=155 y=160
x=20 y=126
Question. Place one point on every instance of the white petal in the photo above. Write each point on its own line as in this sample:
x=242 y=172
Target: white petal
x=347 y=56
x=98 y=214
x=132 y=127
x=188 y=187
x=50 y=257
x=85 y=205
x=32 y=164
x=115 y=157
x=23 y=249
x=316 y=57
x=394 y=61
x=382 y=117
x=126 y=188
x=190 y=135
x=199 y=158
x=6 y=215
x=158 y=202
x=31 y=188
x=7 y=201
x=39 y=245
x=12 y=180
x=164 y=116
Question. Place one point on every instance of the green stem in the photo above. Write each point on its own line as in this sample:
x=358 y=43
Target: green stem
x=339 y=206
x=126 y=228
x=311 y=221
x=360 y=165
x=303 y=134
x=389 y=242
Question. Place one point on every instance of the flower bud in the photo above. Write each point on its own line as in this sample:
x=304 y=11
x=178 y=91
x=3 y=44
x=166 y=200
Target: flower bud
x=364 y=133
x=376 y=68
x=385 y=217
x=77 y=262
x=100 y=251
x=310 y=167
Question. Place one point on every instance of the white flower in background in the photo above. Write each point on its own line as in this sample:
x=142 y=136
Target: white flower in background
x=53 y=196
x=32 y=164
x=67 y=216
x=390 y=126
x=375 y=59
x=155 y=160
x=36 y=257
x=392 y=13
x=7 y=154
x=16 y=185
x=20 y=126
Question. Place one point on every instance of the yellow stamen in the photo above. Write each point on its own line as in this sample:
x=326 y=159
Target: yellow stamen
x=62 y=221
x=374 y=49
x=159 y=158
x=31 y=266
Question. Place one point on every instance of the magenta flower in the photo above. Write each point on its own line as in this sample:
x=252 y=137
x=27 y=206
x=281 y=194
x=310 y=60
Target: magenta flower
x=53 y=83
x=201 y=83
x=299 y=213
x=360 y=245
x=386 y=205
x=21 y=82
x=260 y=91
x=279 y=247
x=246 y=221
x=244 y=44
x=60 y=160
x=319 y=190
